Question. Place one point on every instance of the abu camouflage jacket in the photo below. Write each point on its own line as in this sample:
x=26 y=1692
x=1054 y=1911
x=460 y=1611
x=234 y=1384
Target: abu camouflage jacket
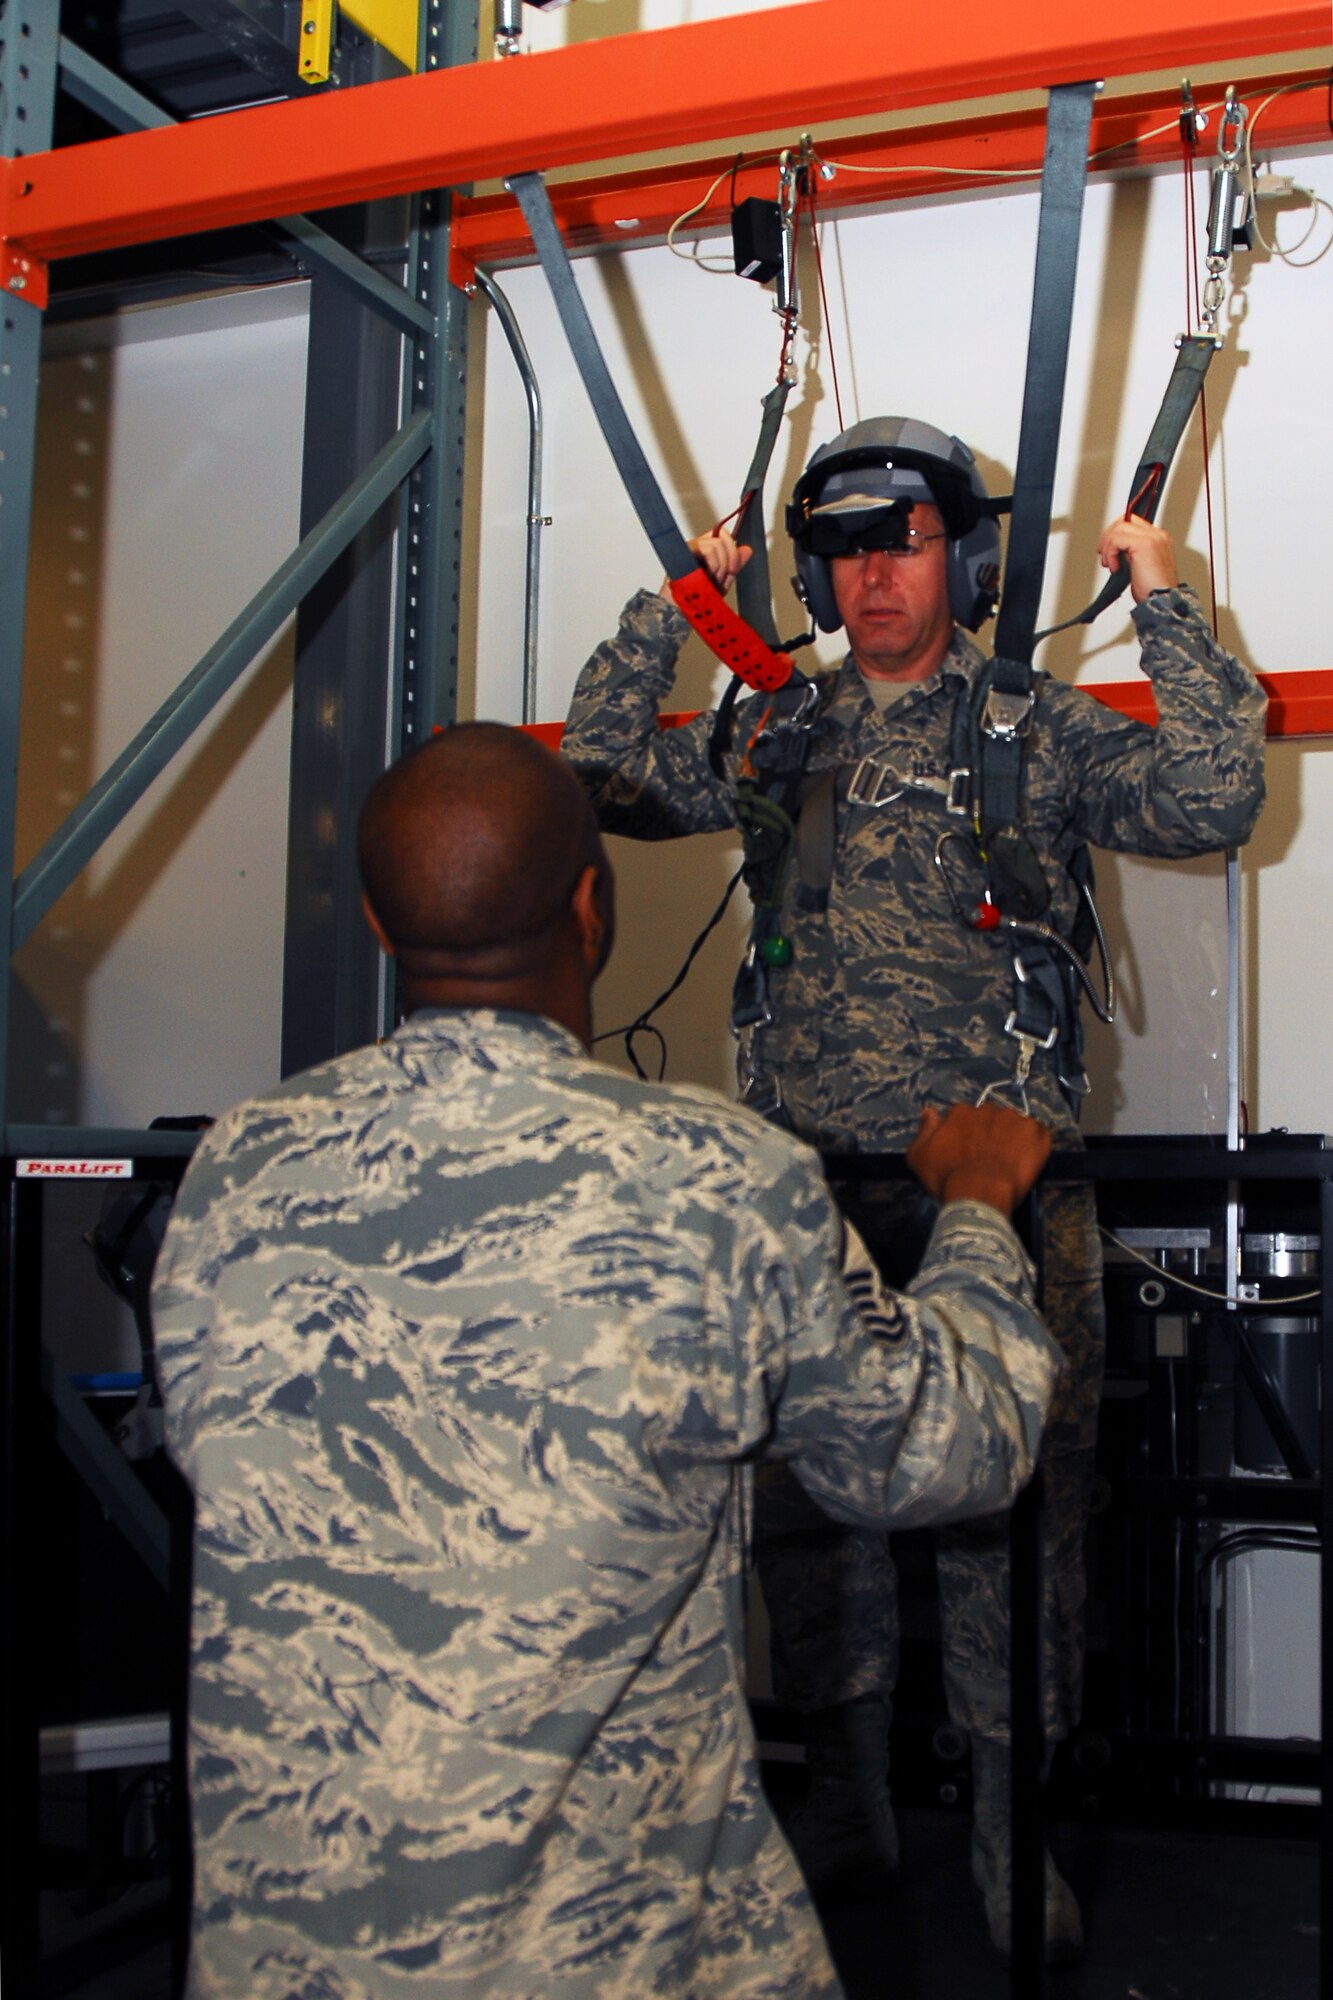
x=468 y=1346
x=889 y=1001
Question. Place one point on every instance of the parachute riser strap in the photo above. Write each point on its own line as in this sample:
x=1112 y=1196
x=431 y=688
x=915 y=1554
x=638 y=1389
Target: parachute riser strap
x=1006 y=712
x=754 y=598
x=722 y=629
x=1194 y=356
x=1064 y=175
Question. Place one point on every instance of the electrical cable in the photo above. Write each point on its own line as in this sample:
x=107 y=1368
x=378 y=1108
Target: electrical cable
x=1289 y=255
x=643 y=1023
x=718 y=268
x=983 y=173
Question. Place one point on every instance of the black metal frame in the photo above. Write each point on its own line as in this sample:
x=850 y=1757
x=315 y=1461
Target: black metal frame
x=39 y=1411
x=1204 y=1758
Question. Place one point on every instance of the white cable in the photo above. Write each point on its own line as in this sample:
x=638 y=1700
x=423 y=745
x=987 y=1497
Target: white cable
x=1222 y=1298
x=717 y=268
x=1274 y=249
x=1008 y=173
x=971 y=173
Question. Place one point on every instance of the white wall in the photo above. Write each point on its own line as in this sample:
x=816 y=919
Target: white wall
x=169 y=460
x=929 y=315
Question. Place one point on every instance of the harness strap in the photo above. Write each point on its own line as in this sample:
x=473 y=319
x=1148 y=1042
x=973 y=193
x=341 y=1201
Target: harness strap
x=1063 y=175
x=754 y=595
x=694 y=591
x=1007 y=713
x=816 y=838
x=1193 y=357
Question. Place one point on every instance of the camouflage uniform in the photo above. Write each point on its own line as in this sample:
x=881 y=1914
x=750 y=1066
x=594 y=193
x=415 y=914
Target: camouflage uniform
x=468 y=1347
x=890 y=1002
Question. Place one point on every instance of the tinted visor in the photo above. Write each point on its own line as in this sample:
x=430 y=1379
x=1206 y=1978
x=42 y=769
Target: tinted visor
x=858 y=533
x=867 y=466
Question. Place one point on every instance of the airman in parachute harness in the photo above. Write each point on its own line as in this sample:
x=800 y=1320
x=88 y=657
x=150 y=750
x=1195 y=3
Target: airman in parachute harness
x=878 y=986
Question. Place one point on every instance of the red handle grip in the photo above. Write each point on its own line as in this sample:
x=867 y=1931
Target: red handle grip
x=726 y=633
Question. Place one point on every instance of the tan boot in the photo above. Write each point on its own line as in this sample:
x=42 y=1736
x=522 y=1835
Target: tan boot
x=844 y=1830
x=993 y=1862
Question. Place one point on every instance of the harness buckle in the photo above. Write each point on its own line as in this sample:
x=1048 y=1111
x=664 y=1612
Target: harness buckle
x=1031 y=1043
x=958 y=798
x=1008 y=717
x=868 y=780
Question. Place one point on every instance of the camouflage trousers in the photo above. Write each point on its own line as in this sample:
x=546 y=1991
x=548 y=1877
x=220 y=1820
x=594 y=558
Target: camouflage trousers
x=831 y=1591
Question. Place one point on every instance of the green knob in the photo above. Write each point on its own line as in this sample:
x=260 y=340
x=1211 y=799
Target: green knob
x=775 y=951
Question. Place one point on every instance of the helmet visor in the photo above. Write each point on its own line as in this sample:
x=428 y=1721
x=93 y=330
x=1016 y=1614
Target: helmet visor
x=859 y=525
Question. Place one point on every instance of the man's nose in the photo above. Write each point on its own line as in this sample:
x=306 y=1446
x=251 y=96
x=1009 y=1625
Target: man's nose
x=880 y=567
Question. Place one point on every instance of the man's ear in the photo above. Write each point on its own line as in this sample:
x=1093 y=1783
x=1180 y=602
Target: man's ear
x=376 y=926
x=590 y=907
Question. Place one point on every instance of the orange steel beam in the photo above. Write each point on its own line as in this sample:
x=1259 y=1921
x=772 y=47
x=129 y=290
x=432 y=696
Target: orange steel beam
x=1299 y=704
x=629 y=208
x=708 y=81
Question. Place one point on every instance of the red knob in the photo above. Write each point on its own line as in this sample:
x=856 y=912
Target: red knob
x=986 y=917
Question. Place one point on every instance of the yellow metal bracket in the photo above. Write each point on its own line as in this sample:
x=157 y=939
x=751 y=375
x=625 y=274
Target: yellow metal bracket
x=316 y=40
x=391 y=23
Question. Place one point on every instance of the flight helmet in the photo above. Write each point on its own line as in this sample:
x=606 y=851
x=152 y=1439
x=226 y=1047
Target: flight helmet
x=866 y=481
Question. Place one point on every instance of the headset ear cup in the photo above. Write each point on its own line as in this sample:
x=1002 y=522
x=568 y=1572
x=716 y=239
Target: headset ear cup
x=817 y=585
x=973 y=572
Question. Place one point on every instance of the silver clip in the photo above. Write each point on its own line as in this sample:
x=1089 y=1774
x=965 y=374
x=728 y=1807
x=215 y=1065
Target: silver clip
x=758 y=1089
x=762 y=1095
x=1007 y=715
x=1027 y=1048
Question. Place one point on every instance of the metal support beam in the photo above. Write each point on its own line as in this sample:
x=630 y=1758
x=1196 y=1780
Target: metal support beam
x=424 y=695
x=101 y=90
x=125 y=781
x=377 y=644
x=340 y=694
x=1129 y=131
x=431 y=523
x=711 y=81
x=27 y=107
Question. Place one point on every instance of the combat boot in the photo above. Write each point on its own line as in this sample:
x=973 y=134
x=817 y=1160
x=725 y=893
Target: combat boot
x=993 y=1861
x=844 y=1830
